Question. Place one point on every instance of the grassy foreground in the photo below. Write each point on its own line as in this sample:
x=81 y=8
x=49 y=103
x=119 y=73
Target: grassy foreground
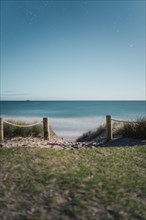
x=85 y=184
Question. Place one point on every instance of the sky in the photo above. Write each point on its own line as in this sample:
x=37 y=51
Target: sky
x=73 y=50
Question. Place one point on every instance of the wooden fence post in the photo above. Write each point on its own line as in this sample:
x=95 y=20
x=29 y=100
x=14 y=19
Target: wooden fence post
x=1 y=130
x=46 y=129
x=108 y=127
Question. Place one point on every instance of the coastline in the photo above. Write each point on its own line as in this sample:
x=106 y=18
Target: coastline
x=70 y=119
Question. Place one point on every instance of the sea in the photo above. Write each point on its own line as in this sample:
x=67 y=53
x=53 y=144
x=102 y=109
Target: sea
x=70 y=119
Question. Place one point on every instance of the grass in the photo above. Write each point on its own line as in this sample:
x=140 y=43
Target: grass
x=85 y=184
x=13 y=131
x=128 y=130
x=90 y=135
x=134 y=130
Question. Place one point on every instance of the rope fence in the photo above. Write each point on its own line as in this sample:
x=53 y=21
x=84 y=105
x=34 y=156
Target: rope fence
x=109 y=120
x=22 y=126
x=46 y=127
x=120 y=121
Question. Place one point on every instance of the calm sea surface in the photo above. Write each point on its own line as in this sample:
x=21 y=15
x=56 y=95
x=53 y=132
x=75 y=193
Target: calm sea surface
x=69 y=119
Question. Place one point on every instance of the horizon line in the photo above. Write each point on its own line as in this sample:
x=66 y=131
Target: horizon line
x=29 y=100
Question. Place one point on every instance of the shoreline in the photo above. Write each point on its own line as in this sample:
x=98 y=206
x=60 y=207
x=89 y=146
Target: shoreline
x=68 y=128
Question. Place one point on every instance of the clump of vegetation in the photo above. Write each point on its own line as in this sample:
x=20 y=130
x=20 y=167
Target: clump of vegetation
x=14 y=131
x=11 y=131
x=133 y=130
x=90 y=135
x=128 y=130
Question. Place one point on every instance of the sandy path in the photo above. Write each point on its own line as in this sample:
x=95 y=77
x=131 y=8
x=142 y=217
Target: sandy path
x=59 y=143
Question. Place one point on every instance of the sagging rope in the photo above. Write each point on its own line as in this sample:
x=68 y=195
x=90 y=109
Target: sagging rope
x=115 y=120
x=23 y=126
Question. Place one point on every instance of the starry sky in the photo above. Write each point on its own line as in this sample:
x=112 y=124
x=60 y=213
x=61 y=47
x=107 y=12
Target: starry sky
x=72 y=50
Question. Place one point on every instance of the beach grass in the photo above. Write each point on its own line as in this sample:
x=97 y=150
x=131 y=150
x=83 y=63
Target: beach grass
x=93 y=134
x=125 y=130
x=133 y=130
x=14 y=131
x=84 y=184
x=34 y=131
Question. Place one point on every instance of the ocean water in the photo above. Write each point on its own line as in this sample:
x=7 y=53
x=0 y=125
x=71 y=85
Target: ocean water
x=69 y=119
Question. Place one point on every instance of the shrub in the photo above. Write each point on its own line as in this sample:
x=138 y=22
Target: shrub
x=130 y=130
x=134 y=130
x=13 y=131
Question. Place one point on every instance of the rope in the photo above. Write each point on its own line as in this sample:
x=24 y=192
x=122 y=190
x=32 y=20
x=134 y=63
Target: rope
x=124 y=121
x=23 y=126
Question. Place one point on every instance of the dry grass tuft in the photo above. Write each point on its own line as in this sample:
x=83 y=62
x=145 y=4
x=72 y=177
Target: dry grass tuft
x=128 y=130
x=34 y=131
x=90 y=135
x=133 y=130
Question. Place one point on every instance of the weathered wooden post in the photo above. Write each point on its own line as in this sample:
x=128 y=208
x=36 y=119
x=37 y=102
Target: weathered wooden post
x=1 y=130
x=108 y=127
x=46 y=129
